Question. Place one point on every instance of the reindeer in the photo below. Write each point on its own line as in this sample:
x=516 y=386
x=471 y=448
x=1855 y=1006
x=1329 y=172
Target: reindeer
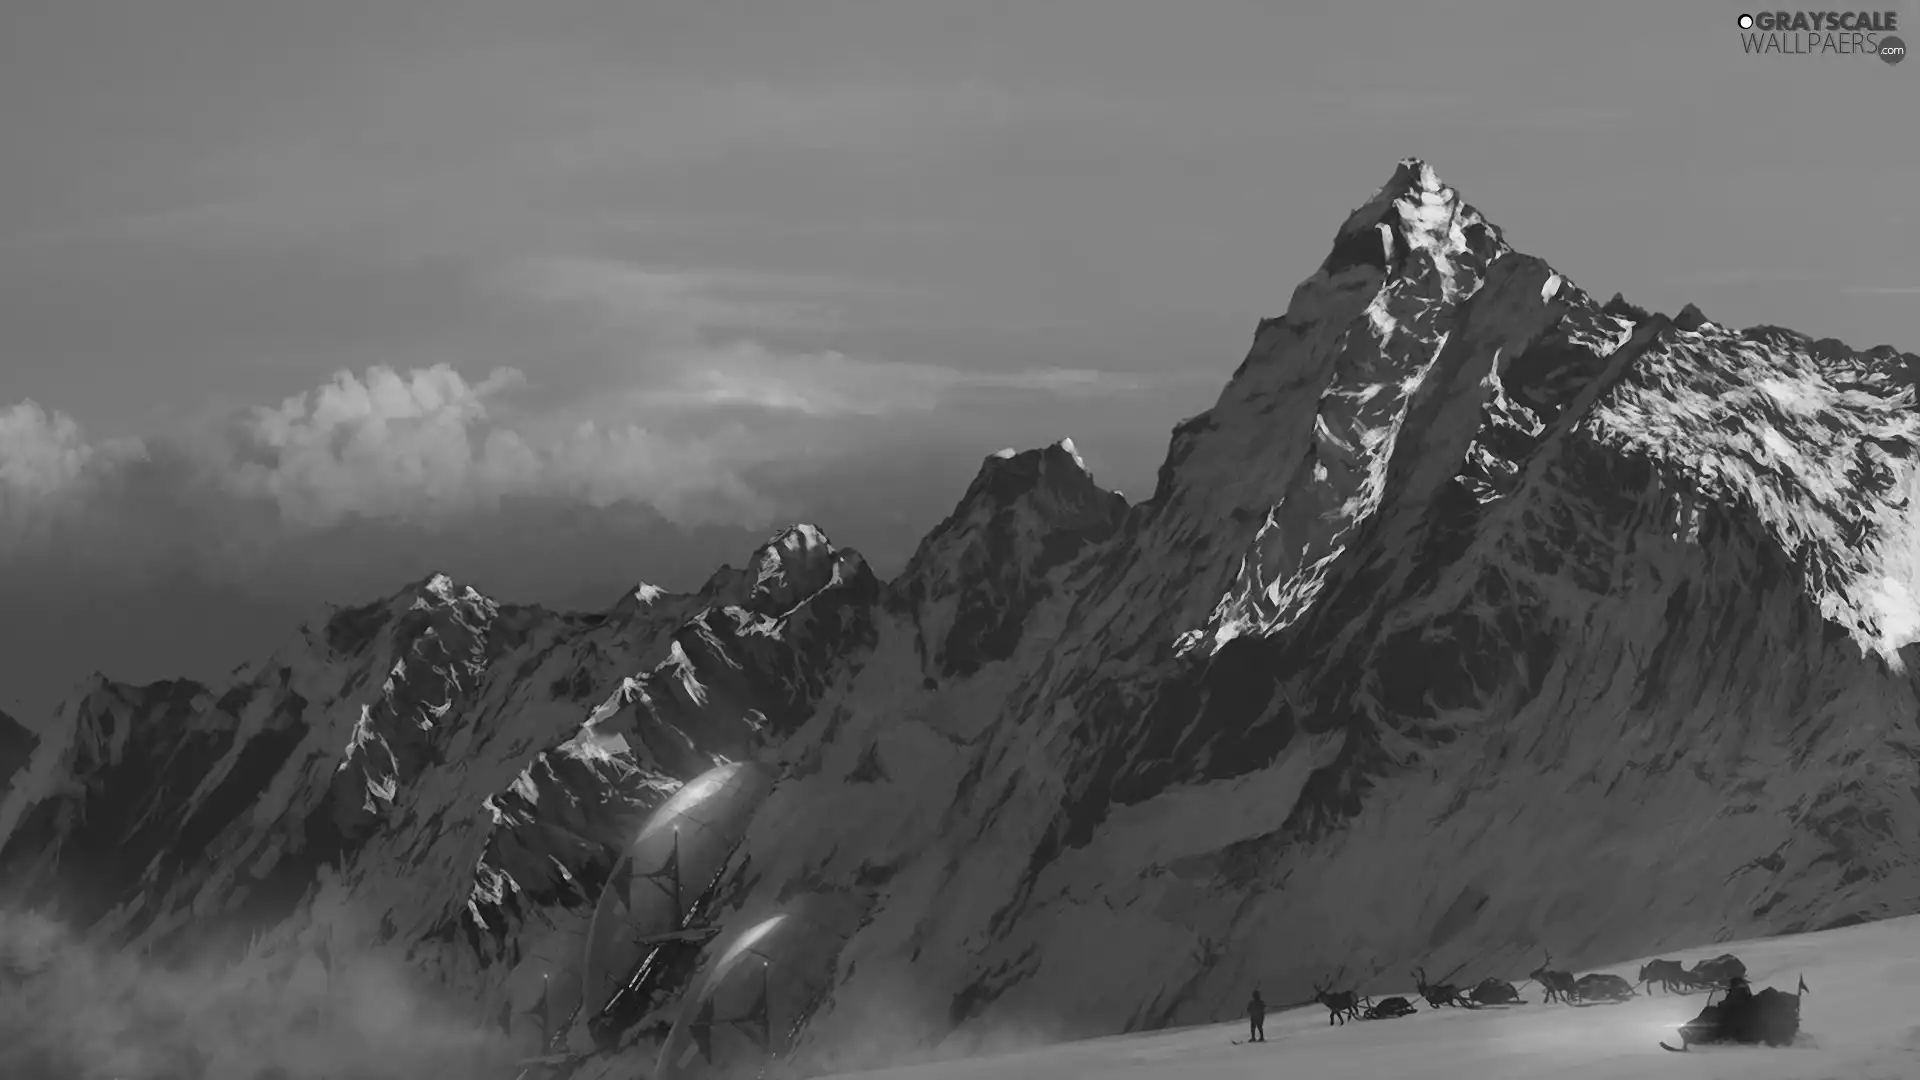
x=1341 y=1006
x=1559 y=985
x=1441 y=993
x=1669 y=975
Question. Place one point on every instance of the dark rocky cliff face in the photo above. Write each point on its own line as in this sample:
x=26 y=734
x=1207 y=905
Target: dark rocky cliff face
x=1476 y=618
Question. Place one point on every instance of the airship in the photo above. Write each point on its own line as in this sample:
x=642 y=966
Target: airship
x=757 y=987
x=659 y=891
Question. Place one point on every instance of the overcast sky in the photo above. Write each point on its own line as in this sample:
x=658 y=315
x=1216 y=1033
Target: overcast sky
x=746 y=262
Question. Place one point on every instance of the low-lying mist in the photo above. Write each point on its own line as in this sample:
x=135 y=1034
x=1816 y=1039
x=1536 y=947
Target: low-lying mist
x=901 y=1023
x=74 y=1010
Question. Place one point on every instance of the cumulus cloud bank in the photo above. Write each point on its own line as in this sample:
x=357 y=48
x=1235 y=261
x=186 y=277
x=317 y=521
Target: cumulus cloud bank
x=698 y=399
x=423 y=444
x=48 y=470
x=694 y=399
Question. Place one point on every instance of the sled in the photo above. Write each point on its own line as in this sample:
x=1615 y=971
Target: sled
x=1769 y=1018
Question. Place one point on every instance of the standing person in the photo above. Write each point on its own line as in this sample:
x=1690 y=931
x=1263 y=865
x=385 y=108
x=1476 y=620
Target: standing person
x=1256 y=1019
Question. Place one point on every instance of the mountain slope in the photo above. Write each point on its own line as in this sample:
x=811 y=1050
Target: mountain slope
x=1477 y=617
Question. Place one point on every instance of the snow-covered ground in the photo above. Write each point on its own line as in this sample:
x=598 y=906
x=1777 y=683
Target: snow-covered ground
x=1858 y=1022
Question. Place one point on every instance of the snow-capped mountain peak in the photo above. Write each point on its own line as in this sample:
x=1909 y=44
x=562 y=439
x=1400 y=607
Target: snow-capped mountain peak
x=975 y=578
x=1416 y=217
x=789 y=567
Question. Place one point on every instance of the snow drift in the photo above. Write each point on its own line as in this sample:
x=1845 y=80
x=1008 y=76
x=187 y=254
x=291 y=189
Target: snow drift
x=1477 y=617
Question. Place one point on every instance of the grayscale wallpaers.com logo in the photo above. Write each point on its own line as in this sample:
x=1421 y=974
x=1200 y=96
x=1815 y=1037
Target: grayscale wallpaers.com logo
x=1824 y=33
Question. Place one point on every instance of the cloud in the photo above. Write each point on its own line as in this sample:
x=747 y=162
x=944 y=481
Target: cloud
x=428 y=444
x=681 y=304
x=466 y=144
x=698 y=340
x=40 y=452
x=1885 y=290
x=830 y=385
x=385 y=444
x=48 y=468
x=1463 y=111
x=845 y=116
x=71 y=1008
x=175 y=558
x=676 y=385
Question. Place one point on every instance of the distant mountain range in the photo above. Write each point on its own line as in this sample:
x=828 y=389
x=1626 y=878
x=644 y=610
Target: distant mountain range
x=91 y=615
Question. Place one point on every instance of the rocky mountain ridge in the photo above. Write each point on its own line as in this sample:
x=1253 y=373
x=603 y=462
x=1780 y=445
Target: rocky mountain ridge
x=1476 y=618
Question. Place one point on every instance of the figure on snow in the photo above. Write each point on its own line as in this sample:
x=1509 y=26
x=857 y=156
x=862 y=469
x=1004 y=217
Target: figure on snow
x=1256 y=1019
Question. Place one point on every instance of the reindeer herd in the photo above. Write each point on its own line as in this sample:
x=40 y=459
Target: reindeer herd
x=1559 y=986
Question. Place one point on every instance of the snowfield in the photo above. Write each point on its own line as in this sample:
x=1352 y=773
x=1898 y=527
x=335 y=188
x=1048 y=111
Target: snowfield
x=1858 y=1022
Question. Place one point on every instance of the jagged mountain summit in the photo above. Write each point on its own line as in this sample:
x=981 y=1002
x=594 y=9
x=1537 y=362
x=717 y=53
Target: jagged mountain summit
x=1476 y=617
